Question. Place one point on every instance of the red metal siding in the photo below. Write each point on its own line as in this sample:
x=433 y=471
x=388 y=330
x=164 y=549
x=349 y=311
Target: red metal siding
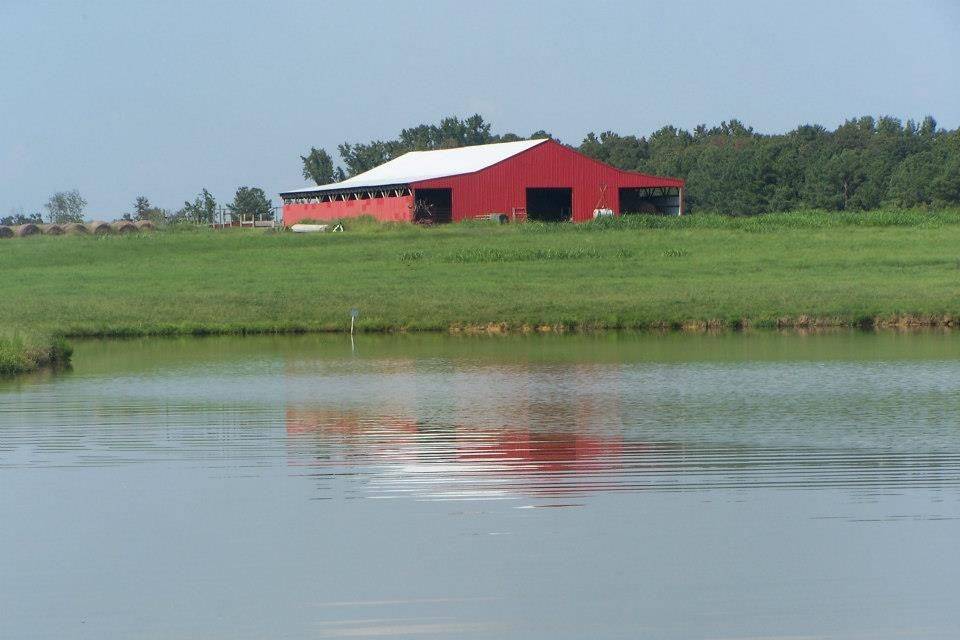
x=394 y=208
x=502 y=187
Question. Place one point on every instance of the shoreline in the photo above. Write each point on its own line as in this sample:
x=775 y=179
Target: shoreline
x=805 y=271
x=879 y=323
x=19 y=357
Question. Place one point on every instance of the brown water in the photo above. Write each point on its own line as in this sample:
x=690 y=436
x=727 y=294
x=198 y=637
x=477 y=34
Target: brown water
x=737 y=486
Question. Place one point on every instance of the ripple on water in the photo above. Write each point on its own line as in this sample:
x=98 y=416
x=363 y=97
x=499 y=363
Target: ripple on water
x=291 y=492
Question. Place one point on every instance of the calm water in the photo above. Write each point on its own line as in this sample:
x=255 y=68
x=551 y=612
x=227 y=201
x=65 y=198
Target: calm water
x=762 y=486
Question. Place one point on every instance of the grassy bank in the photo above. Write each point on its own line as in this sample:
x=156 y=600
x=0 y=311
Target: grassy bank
x=22 y=354
x=797 y=269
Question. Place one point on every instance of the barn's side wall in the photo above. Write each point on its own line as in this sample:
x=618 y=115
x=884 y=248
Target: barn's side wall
x=391 y=209
x=502 y=187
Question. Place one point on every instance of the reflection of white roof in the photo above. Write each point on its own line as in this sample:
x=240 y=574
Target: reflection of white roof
x=427 y=165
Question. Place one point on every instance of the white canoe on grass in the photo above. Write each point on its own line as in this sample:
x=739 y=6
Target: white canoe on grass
x=309 y=228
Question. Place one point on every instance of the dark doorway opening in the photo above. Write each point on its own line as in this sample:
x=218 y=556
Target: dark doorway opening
x=549 y=205
x=653 y=200
x=433 y=205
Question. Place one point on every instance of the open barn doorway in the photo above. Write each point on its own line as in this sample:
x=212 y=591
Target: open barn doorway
x=654 y=200
x=549 y=205
x=433 y=205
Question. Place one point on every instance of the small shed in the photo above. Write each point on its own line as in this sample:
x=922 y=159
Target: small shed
x=529 y=179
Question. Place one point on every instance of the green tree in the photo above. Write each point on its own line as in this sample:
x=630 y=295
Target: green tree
x=17 y=217
x=931 y=177
x=946 y=186
x=540 y=134
x=251 y=203
x=862 y=164
x=363 y=157
x=928 y=128
x=318 y=166
x=449 y=133
x=140 y=207
x=623 y=152
x=453 y=132
x=913 y=180
x=202 y=210
x=65 y=206
x=833 y=182
x=727 y=179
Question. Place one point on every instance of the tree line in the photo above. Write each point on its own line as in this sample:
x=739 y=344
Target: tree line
x=69 y=206
x=451 y=132
x=863 y=164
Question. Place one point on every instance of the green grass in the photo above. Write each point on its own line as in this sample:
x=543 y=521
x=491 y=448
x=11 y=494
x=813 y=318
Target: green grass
x=22 y=354
x=796 y=269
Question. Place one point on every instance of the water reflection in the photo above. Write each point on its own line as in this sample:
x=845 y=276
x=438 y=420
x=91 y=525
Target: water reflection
x=443 y=427
x=412 y=458
x=396 y=457
x=251 y=488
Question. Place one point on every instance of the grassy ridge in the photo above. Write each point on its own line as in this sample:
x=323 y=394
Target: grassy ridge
x=630 y=273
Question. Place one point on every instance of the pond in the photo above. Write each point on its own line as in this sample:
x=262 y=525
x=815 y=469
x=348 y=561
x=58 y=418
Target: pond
x=617 y=486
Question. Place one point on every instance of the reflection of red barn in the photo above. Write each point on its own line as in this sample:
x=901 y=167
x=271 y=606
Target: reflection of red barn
x=538 y=179
x=528 y=451
x=547 y=451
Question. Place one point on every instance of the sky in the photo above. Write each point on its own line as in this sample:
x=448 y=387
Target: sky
x=126 y=98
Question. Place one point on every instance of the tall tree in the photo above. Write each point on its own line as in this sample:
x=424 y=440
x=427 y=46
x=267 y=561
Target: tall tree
x=202 y=210
x=251 y=203
x=318 y=166
x=363 y=157
x=140 y=207
x=65 y=206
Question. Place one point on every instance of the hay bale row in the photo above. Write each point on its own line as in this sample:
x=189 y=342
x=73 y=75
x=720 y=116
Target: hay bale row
x=77 y=228
x=124 y=226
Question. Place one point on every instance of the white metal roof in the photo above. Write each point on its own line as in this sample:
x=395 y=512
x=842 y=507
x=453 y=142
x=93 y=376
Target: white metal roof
x=427 y=165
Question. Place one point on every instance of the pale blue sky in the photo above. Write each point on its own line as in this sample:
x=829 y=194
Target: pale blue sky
x=124 y=98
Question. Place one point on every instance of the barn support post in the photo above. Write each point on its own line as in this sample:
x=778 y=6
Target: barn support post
x=680 y=201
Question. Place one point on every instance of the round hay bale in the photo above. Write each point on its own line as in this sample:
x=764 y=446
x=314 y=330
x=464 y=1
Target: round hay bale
x=51 y=229
x=28 y=229
x=74 y=227
x=145 y=225
x=123 y=226
x=6 y=232
x=99 y=228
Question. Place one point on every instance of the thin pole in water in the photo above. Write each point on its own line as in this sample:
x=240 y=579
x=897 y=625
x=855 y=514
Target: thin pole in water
x=353 y=316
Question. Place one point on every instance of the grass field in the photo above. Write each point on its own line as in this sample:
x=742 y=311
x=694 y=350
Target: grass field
x=796 y=269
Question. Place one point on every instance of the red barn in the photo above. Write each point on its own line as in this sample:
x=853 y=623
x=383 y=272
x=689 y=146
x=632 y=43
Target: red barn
x=536 y=179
